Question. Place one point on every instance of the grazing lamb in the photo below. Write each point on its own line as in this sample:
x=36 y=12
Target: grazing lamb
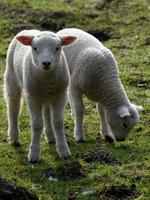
x=37 y=66
x=94 y=73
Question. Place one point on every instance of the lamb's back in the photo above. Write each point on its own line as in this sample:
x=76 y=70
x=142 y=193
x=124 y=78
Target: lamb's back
x=93 y=67
x=84 y=41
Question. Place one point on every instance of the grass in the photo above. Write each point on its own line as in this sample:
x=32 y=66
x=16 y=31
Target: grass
x=127 y=25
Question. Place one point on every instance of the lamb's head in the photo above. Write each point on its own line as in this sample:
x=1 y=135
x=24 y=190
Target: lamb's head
x=45 y=48
x=122 y=119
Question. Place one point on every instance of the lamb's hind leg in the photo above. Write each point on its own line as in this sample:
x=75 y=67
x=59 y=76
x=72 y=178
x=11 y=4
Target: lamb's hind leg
x=78 y=113
x=12 y=96
x=105 y=129
x=48 y=131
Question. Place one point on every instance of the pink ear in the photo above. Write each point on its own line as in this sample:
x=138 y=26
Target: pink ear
x=123 y=111
x=26 y=40
x=66 y=40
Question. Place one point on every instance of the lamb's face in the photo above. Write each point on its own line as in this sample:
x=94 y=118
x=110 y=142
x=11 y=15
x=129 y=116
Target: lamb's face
x=122 y=120
x=46 y=48
x=46 y=51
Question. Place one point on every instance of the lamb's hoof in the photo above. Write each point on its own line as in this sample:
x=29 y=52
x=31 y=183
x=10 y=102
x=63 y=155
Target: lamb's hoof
x=50 y=141
x=63 y=152
x=33 y=160
x=16 y=144
x=80 y=140
x=14 y=141
x=34 y=154
x=109 y=139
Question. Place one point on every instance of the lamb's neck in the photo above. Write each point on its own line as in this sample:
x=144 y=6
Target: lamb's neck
x=115 y=96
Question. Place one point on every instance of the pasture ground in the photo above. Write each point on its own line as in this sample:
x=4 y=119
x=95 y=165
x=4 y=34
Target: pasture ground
x=97 y=169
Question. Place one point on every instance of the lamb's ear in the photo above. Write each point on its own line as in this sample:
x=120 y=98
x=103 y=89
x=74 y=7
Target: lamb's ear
x=66 y=40
x=24 y=39
x=123 y=111
x=138 y=108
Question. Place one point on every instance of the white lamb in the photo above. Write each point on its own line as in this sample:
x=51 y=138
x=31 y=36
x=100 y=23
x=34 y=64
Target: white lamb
x=37 y=66
x=94 y=73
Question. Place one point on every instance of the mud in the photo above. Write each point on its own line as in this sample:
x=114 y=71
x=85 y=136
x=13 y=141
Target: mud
x=11 y=191
x=70 y=170
x=119 y=192
x=101 y=155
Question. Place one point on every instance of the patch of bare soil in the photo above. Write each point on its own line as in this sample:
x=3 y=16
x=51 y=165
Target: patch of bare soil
x=100 y=154
x=119 y=192
x=68 y=1
x=103 y=34
x=70 y=170
x=11 y=191
x=28 y=18
x=147 y=41
x=140 y=83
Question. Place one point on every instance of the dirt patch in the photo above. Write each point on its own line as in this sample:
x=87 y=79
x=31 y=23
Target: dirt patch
x=147 y=41
x=140 y=83
x=107 y=4
x=17 y=28
x=68 y=1
x=100 y=154
x=119 y=192
x=70 y=170
x=146 y=112
x=102 y=5
x=52 y=21
x=91 y=15
x=28 y=18
x=10 y=191
x=103 y=34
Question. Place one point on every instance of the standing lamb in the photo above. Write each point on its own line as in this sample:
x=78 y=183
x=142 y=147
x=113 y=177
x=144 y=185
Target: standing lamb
x=94 y=73
x=37 y=66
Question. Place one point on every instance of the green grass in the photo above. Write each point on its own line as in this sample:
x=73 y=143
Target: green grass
x=130 y=43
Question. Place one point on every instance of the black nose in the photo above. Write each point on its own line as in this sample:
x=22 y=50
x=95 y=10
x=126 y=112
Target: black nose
x=46 y=65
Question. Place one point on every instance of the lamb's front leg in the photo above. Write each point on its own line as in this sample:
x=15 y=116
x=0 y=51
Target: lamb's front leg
x=78 y=114
x=49 y=135
x=105 y=129
x=57 y=111
x=35 y=110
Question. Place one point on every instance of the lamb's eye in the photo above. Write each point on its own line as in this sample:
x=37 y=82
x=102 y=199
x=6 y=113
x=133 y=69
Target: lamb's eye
x=35 y=49
x=125 y=125
x=57 y=48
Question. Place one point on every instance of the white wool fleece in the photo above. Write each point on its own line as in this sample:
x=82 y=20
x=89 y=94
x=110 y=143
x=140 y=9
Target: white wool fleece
x=36 y=65
x=94 y=73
